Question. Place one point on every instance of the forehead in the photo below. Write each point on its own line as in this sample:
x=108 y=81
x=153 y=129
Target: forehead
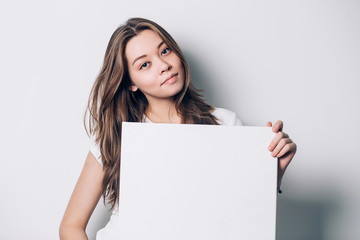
x=142 y=44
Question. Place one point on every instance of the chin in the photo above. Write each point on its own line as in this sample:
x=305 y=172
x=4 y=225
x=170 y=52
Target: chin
x=178 y=90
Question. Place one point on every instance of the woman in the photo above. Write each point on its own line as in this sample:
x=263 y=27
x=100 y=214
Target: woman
x=144 y=78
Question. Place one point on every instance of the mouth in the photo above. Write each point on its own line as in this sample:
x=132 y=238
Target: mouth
x=170 y=79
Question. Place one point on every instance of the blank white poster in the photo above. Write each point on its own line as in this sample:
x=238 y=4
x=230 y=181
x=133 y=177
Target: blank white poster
x=192 y=182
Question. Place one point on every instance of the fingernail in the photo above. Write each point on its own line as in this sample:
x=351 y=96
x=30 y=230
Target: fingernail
x=269 y=147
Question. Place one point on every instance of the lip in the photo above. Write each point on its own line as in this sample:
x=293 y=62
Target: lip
x=170 y=79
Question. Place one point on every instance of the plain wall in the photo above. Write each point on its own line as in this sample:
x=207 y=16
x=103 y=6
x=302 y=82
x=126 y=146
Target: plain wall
x=298 y=61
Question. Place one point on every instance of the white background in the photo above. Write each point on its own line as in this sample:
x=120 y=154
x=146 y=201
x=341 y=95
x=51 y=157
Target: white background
x=298 y=61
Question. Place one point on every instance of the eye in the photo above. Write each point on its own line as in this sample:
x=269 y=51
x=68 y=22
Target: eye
x=144 y=65
x=165 y=51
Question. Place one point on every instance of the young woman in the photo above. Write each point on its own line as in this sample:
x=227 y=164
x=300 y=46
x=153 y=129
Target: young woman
x=144 y=78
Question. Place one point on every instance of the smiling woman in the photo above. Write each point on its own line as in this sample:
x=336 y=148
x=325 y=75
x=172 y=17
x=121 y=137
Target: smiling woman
x=144 y=78
x=155 y=70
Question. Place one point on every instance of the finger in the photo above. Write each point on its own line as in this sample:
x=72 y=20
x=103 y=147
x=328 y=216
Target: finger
x=288 y=148
x=285 y=160
x=282 y=143
x=278 y=126
x=276 y=140
x=269 y=124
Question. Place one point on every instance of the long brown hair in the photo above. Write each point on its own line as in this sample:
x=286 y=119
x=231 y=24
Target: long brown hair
x=111 y=101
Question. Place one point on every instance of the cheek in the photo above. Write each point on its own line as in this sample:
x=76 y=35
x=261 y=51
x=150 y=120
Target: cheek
x=143 y=79
x=181 y=71
x=178 y=64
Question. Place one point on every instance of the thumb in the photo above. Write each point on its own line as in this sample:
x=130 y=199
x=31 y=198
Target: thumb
x=269 y=124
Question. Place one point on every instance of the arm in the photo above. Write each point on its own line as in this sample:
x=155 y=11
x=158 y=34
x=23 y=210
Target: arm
x=83 y=200
x=281 y=147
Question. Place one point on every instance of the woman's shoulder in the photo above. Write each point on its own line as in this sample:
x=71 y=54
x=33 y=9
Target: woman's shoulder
x=227 y=117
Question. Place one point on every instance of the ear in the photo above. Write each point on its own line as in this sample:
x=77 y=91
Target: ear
x=133 y=88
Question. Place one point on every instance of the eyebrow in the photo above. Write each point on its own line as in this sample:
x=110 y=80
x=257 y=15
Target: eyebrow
x=142 y=56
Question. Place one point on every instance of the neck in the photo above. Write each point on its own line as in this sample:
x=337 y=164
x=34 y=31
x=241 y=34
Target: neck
x=162 y=111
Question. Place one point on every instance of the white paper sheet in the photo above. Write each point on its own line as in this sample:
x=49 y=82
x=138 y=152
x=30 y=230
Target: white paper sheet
x=189 y=182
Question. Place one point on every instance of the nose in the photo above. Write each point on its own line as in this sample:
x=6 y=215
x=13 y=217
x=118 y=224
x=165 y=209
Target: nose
x=165 y=66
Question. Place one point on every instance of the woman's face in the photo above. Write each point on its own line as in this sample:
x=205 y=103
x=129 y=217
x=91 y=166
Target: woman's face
x=154 y=69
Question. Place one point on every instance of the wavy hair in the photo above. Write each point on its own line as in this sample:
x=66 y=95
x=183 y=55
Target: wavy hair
x=111 y=101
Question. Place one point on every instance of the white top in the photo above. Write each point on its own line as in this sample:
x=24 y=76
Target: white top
x=225 y=117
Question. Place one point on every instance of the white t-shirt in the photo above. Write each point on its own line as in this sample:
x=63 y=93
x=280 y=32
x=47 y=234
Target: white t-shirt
x=225 y=117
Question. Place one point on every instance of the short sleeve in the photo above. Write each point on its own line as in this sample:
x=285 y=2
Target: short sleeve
x=95 y=150
x=226 y=117
x=238 y=122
